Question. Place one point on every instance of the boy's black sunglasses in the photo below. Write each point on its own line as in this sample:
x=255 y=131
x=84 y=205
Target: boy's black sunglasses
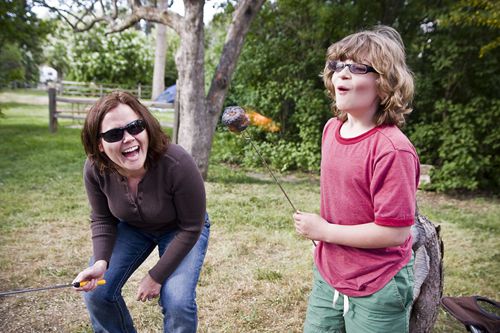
x=338 y=66
x=116 y=134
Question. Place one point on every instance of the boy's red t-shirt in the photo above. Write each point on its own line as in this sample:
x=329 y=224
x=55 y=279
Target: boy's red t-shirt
x=369 y=178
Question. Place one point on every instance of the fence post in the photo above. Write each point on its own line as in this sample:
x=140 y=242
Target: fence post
x=52 y=110
x=139 y=91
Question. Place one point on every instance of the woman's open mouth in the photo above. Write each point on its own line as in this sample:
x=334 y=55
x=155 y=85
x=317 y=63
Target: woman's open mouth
x=130 y=152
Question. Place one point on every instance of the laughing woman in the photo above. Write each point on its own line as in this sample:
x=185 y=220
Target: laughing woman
x=144 y=192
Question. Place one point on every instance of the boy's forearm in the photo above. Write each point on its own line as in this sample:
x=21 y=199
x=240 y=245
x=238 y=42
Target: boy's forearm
x=367 y=236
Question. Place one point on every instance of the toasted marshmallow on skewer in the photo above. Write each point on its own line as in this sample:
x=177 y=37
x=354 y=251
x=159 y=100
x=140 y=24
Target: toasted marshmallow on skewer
x=235 y=118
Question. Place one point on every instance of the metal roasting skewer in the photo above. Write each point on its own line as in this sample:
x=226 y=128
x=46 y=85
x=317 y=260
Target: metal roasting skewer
x=269 y=169
x=235 y=118
x=28 y=290
x=272 y=174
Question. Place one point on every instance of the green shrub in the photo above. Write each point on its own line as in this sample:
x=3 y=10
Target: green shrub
x=468 y=153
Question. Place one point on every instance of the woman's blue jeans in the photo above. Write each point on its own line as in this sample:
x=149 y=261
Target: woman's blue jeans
x=107 y=309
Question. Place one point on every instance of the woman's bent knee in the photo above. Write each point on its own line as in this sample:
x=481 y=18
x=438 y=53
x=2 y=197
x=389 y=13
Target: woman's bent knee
x=100 y=295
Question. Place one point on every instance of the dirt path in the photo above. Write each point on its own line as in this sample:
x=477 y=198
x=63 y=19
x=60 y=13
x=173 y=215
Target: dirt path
x=12 y=97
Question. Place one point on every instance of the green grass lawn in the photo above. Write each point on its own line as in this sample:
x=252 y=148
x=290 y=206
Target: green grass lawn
x=257 y=274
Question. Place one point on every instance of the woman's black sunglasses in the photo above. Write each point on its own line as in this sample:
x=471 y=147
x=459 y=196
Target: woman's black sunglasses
x=116 y=134
x=338 y=66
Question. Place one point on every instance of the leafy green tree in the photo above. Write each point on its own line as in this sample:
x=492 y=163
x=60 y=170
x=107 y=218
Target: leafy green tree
x=122 y=58
x=477 y=13
x=457 y=103
x=21 y=33
x=63 y=44
x=11 y=66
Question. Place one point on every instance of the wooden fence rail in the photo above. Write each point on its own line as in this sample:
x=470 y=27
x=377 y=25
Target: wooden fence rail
x=91 y=89
x=76 y=108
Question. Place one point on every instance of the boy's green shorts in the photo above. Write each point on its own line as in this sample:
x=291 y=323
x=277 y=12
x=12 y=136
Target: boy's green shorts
x=387 y=310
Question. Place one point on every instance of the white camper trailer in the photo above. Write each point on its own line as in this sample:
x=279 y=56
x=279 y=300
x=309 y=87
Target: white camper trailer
x=47 y=74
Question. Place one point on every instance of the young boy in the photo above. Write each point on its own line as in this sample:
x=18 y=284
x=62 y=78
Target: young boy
x=363 y=274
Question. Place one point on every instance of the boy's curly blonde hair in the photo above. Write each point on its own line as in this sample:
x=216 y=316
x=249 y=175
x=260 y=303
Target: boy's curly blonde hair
x=383 y=49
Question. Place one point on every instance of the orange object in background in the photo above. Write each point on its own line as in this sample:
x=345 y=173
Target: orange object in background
x=263 y=122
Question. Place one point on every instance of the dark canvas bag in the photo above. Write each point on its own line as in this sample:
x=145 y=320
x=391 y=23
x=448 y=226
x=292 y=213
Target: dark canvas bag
x=474 y=315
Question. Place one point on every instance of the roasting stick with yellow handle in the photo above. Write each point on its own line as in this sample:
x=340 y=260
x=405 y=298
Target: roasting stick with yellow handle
x=28 y=290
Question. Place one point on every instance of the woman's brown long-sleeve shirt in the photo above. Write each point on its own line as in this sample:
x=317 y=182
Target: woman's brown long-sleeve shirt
x=170 y=197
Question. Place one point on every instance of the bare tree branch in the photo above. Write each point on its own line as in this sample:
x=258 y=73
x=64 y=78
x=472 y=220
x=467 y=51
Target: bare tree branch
x=242 y=18
x=102 y=6
x=88 y=16
x=152 y=14
x=114 y=15
x=73 y=20
x=58 y=11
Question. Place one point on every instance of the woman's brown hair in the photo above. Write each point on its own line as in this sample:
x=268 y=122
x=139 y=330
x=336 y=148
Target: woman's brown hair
x=158 y=140
x=383 y=49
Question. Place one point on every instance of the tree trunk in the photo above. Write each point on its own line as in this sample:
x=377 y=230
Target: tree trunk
x=193 y=129
x=160 y=56
x=428 y=290
x=242 y=19
x=198 y=115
